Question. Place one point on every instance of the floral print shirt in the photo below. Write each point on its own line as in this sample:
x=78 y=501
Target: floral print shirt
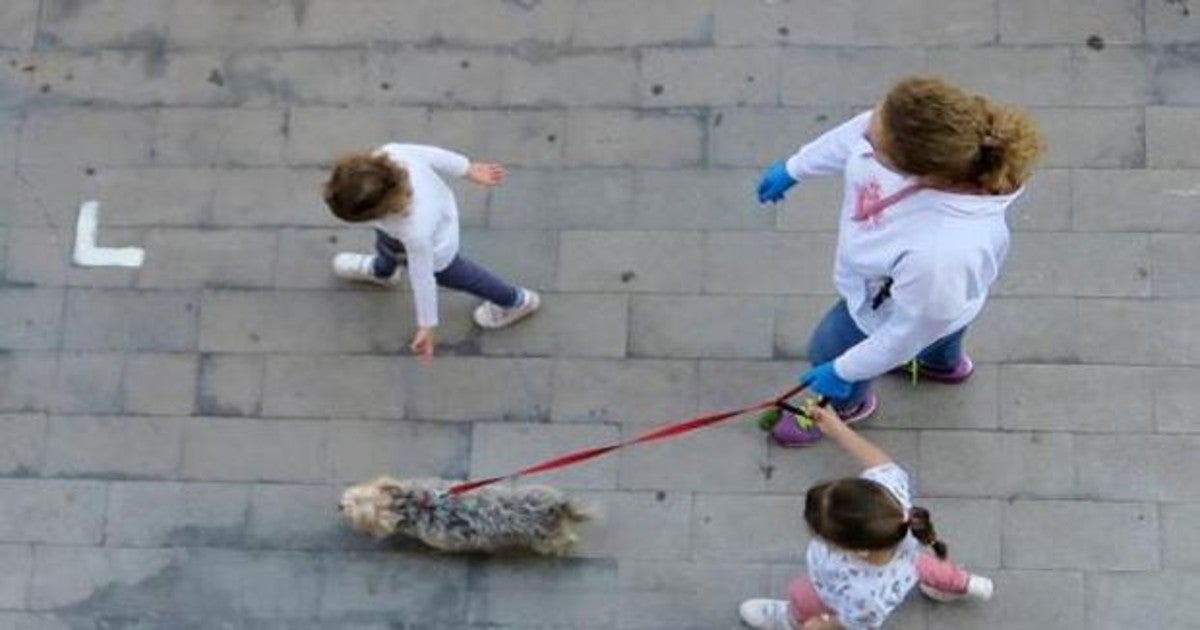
x=864 y=594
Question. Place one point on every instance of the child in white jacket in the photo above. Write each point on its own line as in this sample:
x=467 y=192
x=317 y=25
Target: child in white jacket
x=922 y=235
x=399 y=191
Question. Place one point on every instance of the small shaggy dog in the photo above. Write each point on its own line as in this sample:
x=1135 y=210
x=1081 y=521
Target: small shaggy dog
x=492 y=518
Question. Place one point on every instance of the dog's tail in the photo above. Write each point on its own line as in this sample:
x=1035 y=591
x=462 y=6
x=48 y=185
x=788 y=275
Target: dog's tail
x=578 y=511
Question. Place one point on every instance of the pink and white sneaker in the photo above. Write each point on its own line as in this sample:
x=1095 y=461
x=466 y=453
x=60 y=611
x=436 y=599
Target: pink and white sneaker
x=766 y=614
x=979 y=589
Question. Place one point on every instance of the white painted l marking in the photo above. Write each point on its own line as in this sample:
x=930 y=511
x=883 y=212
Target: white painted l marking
x=88 y=255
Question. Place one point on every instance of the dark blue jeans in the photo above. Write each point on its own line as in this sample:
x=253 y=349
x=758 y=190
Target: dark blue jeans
x=837 y=333
x=461 y=275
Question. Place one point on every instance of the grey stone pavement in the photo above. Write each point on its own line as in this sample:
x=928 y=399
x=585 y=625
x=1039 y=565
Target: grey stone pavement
x=173 y=439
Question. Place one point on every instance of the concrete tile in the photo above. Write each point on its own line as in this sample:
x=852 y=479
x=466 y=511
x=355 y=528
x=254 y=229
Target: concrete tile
x=168 y=514
x=692 y=199
x=620 y=137
x=199 y=137
x=709 y=76
x=22 y=444
x=753 y=137
x=1137 y=467
x=284 y=516
x=23 y=376
x=1140 y=331
x=1173 y=83
x=360 y=451
x=733 y=327
x=1051 y=264
x=605 y=23
x=1076 y=398
x=335 y=385
x=637 y=525
x=242 y=449
x=450 y=389
x=1093 y=526
x=32 y=318
x=804 y=22
x=722 y=530
x=1181 y=547
x=120 y=319
x=81 y=137
x=571 y=80
x=114 y=447
x=767 y=263
x=575 y=198
x=1169 y=131
x=77 y=576
x=52 y=511
x=583 y=592
x=1027 y=22
x=629 y=261
x=159 y=384
x=842 y=75
x=419 y=590
x=1116 y=600
x=1066 y=131
x=87 y=382
x=980 y=464
x=108 y=23
x=627 y=391
x=188 y=258
x=1159 y=200
x=1033 y=599
x=14 y=584
x=230 y=385
x=1174 y=395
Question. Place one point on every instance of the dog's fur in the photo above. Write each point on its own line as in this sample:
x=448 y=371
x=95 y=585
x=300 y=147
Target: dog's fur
x=492 y=518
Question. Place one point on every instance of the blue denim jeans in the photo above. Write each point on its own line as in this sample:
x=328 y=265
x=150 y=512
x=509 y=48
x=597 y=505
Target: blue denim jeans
x=461 y=275
x=837 y=333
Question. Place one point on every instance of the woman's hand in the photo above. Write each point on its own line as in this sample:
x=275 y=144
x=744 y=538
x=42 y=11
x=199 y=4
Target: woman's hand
x=486 y=173
x=422 y=345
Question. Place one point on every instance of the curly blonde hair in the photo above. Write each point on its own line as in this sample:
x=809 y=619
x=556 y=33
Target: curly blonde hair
x=367 y=186
x=934 y=129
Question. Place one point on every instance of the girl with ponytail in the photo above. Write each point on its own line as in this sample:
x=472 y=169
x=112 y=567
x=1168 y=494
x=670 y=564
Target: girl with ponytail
x=867 y=550
x=929 y=175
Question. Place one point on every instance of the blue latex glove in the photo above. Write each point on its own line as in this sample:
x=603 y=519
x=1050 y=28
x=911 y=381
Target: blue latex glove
x=774 y=183
x=824 y=380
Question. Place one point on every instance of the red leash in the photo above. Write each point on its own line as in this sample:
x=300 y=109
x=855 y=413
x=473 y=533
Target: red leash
x=670 y=430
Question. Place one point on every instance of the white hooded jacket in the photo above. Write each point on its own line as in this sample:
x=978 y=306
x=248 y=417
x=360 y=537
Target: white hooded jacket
x=934 y=254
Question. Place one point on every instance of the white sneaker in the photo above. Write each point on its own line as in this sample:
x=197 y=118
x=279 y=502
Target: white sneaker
x=979 y=589
x=489 y=315
x=359 y=268
x=766 y=614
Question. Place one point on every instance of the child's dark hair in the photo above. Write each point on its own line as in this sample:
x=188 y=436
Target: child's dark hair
x=365 y=187
x=859 y=514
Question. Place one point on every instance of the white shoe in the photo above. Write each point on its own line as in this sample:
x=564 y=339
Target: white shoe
x=489 y=315
x=766 y=614
x=979 y=589
x=359 y=268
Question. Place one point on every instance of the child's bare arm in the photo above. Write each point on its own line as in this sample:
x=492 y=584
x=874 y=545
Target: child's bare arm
x=856 y=445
